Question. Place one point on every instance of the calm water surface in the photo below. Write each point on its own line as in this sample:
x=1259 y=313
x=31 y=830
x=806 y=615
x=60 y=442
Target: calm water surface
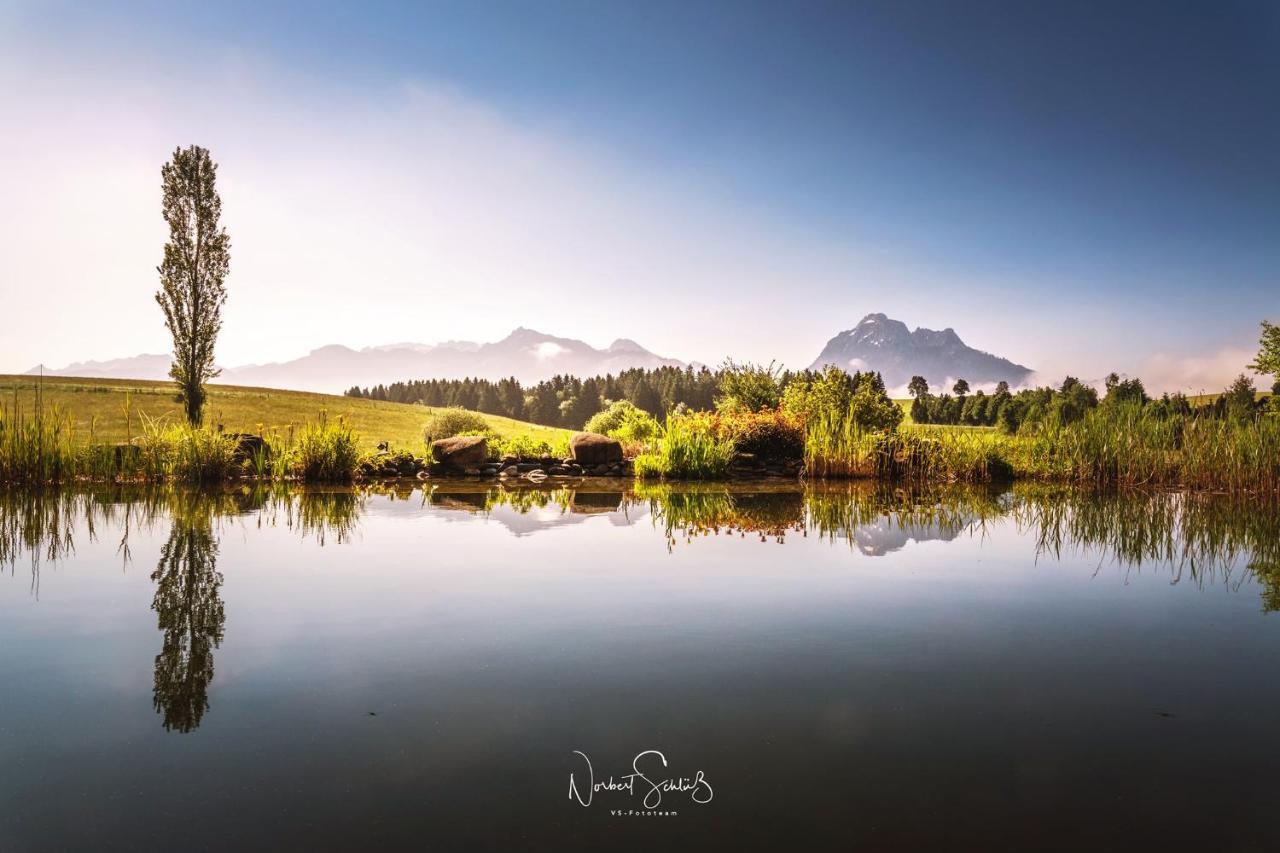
x=848 y=669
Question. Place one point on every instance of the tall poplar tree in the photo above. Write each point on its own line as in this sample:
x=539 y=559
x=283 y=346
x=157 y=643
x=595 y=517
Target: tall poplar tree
x=196 y=260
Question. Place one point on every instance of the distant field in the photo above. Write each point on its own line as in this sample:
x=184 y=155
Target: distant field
x=237 y=408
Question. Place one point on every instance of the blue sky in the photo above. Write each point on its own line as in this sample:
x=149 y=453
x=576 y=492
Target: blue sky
x=1076 y=185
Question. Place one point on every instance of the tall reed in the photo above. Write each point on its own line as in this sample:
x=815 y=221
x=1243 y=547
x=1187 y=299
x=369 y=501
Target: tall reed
x=689 y=448
x=326 y=451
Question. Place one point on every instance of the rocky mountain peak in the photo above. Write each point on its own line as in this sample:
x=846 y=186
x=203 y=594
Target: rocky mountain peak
x=883 y=344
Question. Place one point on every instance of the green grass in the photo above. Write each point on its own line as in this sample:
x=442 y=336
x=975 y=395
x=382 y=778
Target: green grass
x=95 y=407
x=689 y=449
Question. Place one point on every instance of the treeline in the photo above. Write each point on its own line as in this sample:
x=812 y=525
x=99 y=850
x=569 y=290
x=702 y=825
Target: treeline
x=1068 y=403
x=563 y=401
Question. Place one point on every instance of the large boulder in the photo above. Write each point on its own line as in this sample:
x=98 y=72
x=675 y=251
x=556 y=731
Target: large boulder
x=592 y=448
x=461 y=451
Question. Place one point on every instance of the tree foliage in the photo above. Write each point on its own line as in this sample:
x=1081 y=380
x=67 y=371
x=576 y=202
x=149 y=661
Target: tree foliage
x=196 y=261
x=749 y=387
x=1268 y=360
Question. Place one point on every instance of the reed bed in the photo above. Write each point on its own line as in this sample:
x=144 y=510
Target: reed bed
x=689 y=448
x=1132 y=446
x=41 y=446
x=838 y=448
x=325 y=452
x=1126 y=446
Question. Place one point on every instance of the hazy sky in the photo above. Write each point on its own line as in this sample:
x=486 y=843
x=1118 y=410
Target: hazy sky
x=1072 y=186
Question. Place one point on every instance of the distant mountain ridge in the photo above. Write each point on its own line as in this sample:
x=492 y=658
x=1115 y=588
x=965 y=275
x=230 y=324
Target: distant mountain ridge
x=528 y=355
x=885 y=345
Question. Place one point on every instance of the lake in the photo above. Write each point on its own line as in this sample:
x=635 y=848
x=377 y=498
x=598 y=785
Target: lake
x=462 y=666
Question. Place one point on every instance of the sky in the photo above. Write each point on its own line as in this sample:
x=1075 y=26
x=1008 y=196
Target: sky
x=1080 y=187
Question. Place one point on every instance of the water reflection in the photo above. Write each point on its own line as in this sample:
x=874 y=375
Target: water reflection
x=1195 y=538
x=190 y=613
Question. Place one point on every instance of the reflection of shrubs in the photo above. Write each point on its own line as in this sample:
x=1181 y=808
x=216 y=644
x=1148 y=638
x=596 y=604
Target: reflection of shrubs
x=452 y=421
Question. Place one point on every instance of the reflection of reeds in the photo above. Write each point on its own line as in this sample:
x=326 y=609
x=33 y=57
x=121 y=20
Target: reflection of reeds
x=1200 y=536
x=40 y=524
x=1194 y=534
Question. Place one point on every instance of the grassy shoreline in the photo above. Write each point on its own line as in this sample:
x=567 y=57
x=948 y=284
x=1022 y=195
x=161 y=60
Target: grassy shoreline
x=65 y=430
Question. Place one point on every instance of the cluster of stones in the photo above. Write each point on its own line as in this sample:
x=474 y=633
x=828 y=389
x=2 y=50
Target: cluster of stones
x=748 y=465
x=386 y=465
x=590 y=455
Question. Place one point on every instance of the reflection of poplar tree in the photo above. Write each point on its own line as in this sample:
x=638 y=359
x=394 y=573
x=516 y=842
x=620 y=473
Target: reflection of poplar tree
x=192 y=617
x=1268 y=575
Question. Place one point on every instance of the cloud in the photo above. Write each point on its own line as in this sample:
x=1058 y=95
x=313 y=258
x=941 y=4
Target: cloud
x=1194 y=374
x=548 y=350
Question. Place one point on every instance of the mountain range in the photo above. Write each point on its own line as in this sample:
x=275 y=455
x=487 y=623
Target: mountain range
x=876 y=343
x=885 y=345
x=528 y=355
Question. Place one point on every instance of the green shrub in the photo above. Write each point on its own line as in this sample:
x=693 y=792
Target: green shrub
x=526 y=446
x=749 y=387
x=766 y=434
x=452 y=421
x=627 y=423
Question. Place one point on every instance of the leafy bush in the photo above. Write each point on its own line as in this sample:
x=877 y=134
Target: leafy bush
x=836 y=395
x=526 y=446
x=452 y=421
x=627 y=423
x=767 y=434
x=748 y=387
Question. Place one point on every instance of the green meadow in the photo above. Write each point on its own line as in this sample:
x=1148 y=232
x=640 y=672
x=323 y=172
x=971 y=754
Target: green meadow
x=112 y=411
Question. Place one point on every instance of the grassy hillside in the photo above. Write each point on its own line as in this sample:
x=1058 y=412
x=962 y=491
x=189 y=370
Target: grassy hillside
x=101 y=403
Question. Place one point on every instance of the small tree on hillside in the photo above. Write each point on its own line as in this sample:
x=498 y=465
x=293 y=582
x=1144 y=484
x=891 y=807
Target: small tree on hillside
x=1239 y=398
x=918 y=387
x=196 y=260
x=960 y=388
